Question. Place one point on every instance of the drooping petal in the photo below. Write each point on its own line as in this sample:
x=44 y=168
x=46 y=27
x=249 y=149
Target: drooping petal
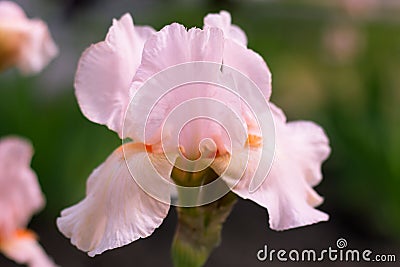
x=287 y=191
x=105 y=72
x=307 y=134
x=116 y=211
x=309 y=141
x=20 y=194
x=23 y=248
x=223 y=21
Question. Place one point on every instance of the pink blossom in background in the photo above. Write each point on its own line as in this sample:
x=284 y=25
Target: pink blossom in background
x=362 y=7
x=116 y=211
x=368 y=8
x=343 y=42
x=24 y=43
x=20 y=198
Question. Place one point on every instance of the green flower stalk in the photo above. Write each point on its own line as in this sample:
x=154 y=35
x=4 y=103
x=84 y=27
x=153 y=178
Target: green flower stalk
x=199 y=228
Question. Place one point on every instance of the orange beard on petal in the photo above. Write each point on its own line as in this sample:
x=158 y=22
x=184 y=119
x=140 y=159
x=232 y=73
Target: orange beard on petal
x=254 y=141
x=129 y=148
x=25 y=233
x=19 y=234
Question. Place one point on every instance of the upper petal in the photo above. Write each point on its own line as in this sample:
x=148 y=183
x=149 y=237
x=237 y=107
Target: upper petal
x=287 y=191
x=236 y=54
x=223 y=22
x=116 y=211
x=172 y=46
x=23 y=248
x=20 y=194
x=250 y=64
x=105 y=72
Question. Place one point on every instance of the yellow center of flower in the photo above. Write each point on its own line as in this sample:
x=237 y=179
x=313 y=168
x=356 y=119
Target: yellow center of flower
x=254 y=141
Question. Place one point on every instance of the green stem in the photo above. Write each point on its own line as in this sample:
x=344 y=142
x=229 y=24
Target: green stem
x=199 y=228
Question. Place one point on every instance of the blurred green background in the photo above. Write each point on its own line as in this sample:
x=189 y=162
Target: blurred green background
x=334 y=62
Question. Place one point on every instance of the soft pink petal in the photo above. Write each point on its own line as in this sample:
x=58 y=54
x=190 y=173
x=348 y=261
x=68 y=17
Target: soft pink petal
x=10 y=10
x=24 y=249
x=234 y=170
x=238 y=35
x=250 y=64
x=310 y=142
x=20 y=194
x=116 y=211
x=287 y=192
x=144 y=33
x=172 y=46
x=223 y=21
x=105 y=72
x=309 y=135
x=38 y=48
x=236 y=54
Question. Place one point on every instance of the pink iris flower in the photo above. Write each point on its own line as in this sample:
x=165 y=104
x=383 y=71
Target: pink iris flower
x=20 y=197
x=116 y=211
x=24 y=43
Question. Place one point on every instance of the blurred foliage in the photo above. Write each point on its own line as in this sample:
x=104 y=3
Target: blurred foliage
x=66 y=145
x=356 y=99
